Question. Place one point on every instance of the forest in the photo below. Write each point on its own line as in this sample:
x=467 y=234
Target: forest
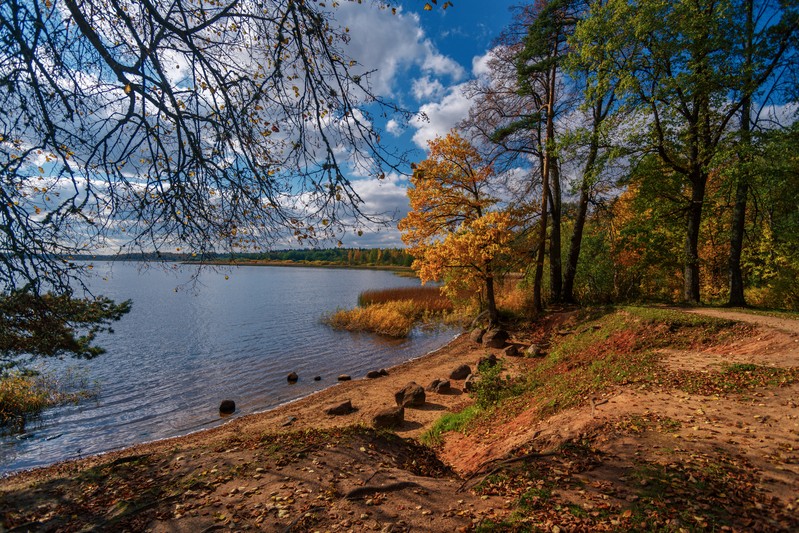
x=618 y=152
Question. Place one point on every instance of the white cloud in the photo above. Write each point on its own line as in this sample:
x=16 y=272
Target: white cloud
x=394 y=127
x=391 y=45
x=426 y=88
x=436 y=119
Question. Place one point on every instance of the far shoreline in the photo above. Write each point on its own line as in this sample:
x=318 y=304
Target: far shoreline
x=268 y=263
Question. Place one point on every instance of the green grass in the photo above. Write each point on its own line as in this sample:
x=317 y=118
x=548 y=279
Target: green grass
x=449 y=422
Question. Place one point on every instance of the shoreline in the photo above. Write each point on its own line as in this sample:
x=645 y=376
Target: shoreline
x=368 y=397
x=295 y=264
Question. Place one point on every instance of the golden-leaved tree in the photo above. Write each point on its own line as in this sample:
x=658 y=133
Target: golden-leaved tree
x=454 y=229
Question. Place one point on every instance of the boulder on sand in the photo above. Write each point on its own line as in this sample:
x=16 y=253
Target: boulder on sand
x=477 y=335
x=343 y=408
x=439 y=385
x=374 y=374
x=495 y=338
x=470 y=383
x=344 y=377
x=393 y=417
x=461 y=372
x=411 y=395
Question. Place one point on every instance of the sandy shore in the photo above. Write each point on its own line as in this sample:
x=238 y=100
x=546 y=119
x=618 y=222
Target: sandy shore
x=368 y=397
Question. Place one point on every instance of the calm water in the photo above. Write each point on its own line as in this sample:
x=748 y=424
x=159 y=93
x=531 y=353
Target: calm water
x=177 y=354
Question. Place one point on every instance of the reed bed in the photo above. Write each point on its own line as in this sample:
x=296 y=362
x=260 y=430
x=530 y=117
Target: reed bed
x=430 y=299
x=24 y=395
x=392 y=312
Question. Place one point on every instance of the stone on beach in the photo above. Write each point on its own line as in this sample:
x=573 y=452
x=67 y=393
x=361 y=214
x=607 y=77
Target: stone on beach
x=344 y=377
x=393 y=417
x=495 y=338
x=411 y=395
x=343 y=408
x=462 y=372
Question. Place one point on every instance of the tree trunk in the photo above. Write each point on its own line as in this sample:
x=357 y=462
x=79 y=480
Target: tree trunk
x=582 y=212
x=736 y=297
x=491 y=303
x=555 y=261
x=691 y=292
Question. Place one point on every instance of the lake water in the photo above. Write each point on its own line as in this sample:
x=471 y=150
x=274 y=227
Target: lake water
x=178 y=354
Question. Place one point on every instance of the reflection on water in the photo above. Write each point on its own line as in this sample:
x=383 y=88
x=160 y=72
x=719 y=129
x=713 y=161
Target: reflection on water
x=178 y=354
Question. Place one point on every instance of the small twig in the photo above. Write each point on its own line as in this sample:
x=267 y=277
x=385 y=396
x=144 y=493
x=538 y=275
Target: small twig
x=360 y=492
x=595 y=403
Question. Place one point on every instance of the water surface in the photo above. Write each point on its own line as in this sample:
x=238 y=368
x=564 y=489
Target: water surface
x=234 y=334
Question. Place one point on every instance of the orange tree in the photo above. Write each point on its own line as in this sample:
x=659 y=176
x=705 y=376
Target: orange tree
x=454 y=229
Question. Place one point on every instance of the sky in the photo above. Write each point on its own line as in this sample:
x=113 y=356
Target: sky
x=423 y=59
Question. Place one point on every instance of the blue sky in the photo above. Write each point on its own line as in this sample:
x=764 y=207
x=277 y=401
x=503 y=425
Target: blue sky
x=422 y=59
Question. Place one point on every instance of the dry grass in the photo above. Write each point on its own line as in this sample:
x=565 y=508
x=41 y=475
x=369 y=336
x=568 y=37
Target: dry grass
x=392 y=312
x=23 y=396
x=430 y=299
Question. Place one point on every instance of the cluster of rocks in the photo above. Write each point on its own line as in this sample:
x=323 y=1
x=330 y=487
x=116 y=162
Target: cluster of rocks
x=413 y=395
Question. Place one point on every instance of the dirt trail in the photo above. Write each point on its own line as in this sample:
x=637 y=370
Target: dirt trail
x=788 y=325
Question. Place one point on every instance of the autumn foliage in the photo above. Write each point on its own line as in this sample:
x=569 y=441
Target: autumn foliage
x=455 y=230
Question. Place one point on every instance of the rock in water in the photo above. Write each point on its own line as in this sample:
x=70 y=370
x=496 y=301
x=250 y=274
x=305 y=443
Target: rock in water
x=317 y=378
x=411 y=395
x=344 y=377
x=227 y=407
x=495 y=338
x=392 y=417
x=343 y=408
x=292 y=377
x=462 y=372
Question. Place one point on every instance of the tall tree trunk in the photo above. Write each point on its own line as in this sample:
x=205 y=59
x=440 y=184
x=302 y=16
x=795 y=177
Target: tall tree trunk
x=579 y=224
x=555 y=260
x=736 y=297
x=549 y=140
x=691 y=292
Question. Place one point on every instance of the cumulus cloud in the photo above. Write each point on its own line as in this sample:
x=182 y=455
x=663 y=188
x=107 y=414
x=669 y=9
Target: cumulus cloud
x=435 y=119
x=391 y=45
x=394 y=127
x=425 y=88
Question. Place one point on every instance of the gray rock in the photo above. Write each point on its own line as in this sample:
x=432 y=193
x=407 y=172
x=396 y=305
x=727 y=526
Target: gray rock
x=470 y=383
x=411 y=395
x=512 y=351
x=227 y=407
x=343 y=408
x=289 y=421
x=461 y=372
x=495 y=338
x=477 y=335
x=373 y=374
x=344 y=377
x=292 y=377
x=443 y=387
x=490 y=360
x=534 y=351
x=439 y=385
x=392 y=417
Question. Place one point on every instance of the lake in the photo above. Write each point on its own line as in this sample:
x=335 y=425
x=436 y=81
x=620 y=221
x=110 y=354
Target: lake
x=233 y=333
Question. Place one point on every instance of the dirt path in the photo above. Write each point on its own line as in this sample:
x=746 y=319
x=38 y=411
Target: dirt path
x=787 y=325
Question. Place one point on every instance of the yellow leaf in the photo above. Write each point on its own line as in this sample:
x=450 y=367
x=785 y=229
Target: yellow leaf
x=428 y=7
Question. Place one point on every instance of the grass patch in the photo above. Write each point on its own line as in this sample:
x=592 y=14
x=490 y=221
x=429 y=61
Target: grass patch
x=430 y=299
x=449 y=422
x=733 y=378
x=25 y=394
